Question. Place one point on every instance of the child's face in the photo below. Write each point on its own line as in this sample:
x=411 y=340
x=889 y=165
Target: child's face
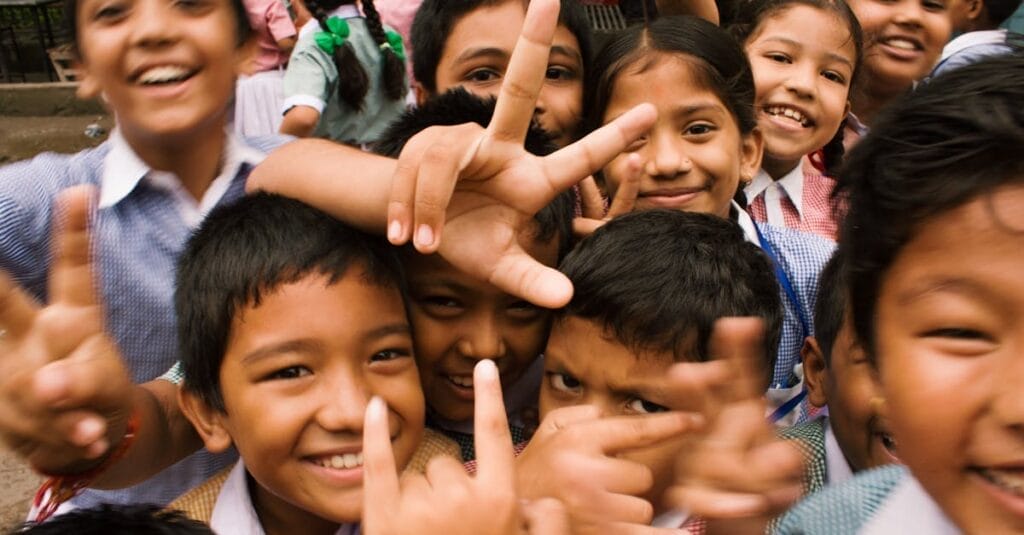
x=459 y=320
x=803 y=60
x=950 y=342
x=902 y=39
x=298 y=372
x=166 y=68
x=583 y=365
x=477 y=52
x=694 y=155
x=849 y=386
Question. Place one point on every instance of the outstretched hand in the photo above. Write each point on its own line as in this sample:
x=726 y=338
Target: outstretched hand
x=447 y=499
x=480 y=187
x=64 y=391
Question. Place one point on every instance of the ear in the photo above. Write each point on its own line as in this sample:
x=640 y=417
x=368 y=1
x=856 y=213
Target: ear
x=751 y=151
x=973 y=9
x=421 y=93
x=209 y=422
x=88 y=86
x=814 y=372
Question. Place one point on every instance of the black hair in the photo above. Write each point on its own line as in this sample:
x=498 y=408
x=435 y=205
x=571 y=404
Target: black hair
x=718 y=61
x=242 y=25
x=249 y=248
x=435 y=19
x=955 y=138
x=659 y=279
x=1000 y=10
x=748 y=22
x=458 y=106
x=114 y=519
x=830 y=308
x=353 y=82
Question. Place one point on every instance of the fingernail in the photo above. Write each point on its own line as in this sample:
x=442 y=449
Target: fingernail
x=425 y=236
x=376 y=408
x=487 y=369
x=395 y=231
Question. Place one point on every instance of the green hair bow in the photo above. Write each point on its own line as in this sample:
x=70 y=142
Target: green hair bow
x=337 y=32
x=394 y=42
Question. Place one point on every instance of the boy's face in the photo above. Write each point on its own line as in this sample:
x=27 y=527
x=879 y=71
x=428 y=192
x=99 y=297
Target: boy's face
x=166 y=68
x=477 y=52
x=950 y=341
x=459 y=320
x=902 y=39
x=297 y=374
x=583 y=365
x=849 y=387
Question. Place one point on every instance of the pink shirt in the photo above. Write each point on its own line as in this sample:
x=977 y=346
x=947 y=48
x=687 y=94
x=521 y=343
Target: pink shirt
x=270 y=23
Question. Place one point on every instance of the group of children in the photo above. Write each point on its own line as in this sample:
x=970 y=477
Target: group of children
x=199 y=293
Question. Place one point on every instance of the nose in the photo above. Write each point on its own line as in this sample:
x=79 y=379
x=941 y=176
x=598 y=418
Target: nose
x=908 y=13
x=482 y=338
x=1009 y=396
x=801 y=81
x=342 y=400
x=153 y=24
x=666 y=157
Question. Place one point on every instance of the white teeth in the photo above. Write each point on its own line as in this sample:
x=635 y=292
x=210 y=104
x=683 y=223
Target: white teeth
x=465 y=381
x=1010 y=481
x=163 y=74
x=789 y=113
x=338 y=462
x=902 y=44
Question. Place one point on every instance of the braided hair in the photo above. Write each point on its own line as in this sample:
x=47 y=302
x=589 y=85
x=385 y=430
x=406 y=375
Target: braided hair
x=353 y=82
x=393 y=68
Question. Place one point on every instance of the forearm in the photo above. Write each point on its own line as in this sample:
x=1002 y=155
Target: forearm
x=164 y=437
x=346 y=182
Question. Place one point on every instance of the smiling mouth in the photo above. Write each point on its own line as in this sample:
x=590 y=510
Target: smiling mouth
x=461 y=381
x=164 y=75
x=345 y=461
x=789 y=113
x=1011 y=481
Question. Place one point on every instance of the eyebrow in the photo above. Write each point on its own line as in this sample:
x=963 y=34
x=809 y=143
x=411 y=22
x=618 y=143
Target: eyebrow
x=693 y=109
x=572 y=53
x=446 y=284
x=483 y=52
x=951 y=285
x=830 y=55
x=305 y=345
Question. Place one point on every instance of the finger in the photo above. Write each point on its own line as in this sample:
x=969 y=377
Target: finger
x=403 y=193
x=583 y=227
x=738 y=342
x=591 y=199
x=447 y=475
x=628 y=432
x=518 y=273
x=380 y=477
x=621 y=476
x=610 y=508
x=493 y=441
x=588 y=155
x=71 y=279
x=524 y=76
x=713 y=503
x=92 y=377
x=546 y=516
x=17 y=310
x=625 y=196
x=435 y=182
x=567 y=416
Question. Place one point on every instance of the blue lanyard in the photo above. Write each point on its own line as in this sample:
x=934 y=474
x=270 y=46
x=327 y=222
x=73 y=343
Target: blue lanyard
x=787 y=286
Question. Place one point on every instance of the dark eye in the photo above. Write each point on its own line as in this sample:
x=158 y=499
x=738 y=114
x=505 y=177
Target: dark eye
x=699 y=129
x=637 y=144
x=524 y=310
x=390 y=354
x=834 y=77
x=291 y=372
x=778 y=57
x=440 y=306
x=564 y=382
x=934 y=6
x=642 y=406
x=483 y=75
x=110 y=12
x=958 y=333
x=559 y=73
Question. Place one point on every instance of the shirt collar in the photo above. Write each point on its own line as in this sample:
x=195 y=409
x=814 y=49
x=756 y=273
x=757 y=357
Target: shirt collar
x=746 y=223
x=347 y=11
x=792 y=183
x=233 y=514
x=969 y=39
x=123 y=170
x=909 y=509
x=837 y=469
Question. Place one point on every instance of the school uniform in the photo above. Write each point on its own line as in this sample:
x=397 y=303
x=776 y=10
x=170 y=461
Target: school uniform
x=799 y=200
x=139 y=228
x=971 y=47
x=882 y=501
x=224 y=501
x=312 y=78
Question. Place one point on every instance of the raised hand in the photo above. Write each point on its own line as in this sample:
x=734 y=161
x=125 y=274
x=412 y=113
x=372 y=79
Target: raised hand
x=594 y=214
x=737 y=469
x=447 y=499
x=64 y=391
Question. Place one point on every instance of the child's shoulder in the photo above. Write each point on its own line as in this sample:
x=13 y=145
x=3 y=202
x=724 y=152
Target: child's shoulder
x=844 y=508
x=199 y=502
x=38 y=179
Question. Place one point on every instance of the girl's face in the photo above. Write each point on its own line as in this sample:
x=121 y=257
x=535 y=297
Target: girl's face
x=165 y=67
x=902 y=39
x=694 y=156
x=803 y=61
x=950 y=330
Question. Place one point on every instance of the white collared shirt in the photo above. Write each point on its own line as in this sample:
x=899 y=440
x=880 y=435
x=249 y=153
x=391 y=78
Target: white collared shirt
x=909 y=509
x=746 y=223
x=124 y=170
x=790 y=185
x=837 y=470
x=969 y=39
x=234 y=514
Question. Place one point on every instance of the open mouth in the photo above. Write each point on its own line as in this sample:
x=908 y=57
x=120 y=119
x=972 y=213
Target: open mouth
x=787 y=112
x=1009 y=480
x=902 y=46
x=164 y=75
x=346 y=461
x=462 y=381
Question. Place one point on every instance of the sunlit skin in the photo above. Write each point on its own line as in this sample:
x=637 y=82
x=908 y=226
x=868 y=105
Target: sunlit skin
x=476 y=60
x=297 y=375
x=803 y=61
x=950 y=349
x=694 y=157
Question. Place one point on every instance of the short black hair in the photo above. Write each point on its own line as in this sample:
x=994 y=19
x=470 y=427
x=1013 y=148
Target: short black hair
x=248 y=248
x=114 y=519
x=435 y=18
x=954 y=139
x=1000 y=10
x=830 y=308
x=659 y=279
x=458 y=106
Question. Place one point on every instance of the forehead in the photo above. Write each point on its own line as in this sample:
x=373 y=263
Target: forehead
x=809 y=27
x=672 y=82
x=590 y=353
